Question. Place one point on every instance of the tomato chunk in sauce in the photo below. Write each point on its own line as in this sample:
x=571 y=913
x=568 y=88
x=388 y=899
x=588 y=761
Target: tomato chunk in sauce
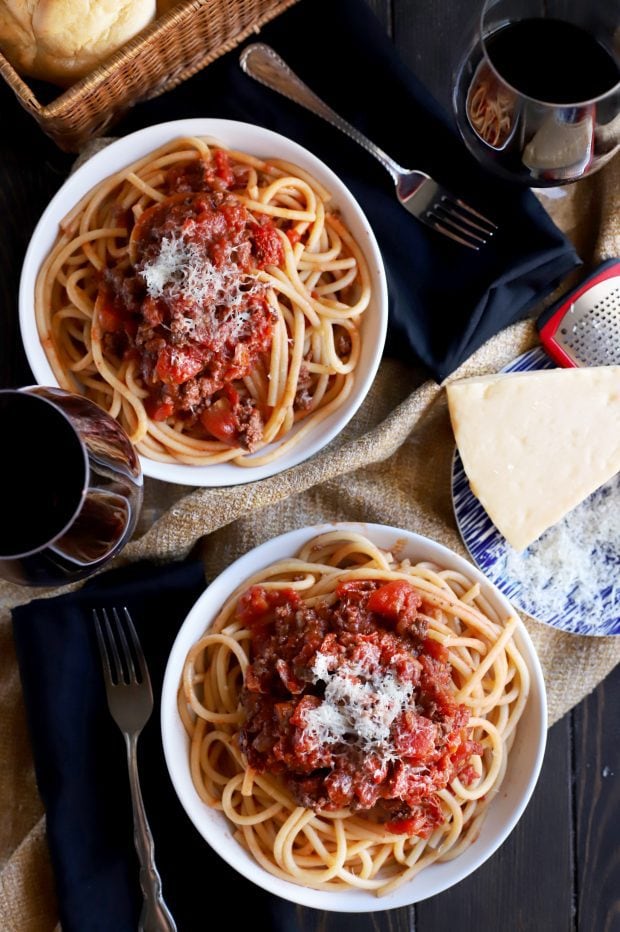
x=352 y=703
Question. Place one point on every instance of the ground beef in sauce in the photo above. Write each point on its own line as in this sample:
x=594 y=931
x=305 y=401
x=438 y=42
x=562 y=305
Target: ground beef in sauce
x=303 y=396
x=370 y=643
x=250 y=424
x=193 y=340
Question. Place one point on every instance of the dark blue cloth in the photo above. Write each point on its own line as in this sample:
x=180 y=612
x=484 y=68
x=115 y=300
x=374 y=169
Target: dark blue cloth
x=445 y=300
x=81 y=768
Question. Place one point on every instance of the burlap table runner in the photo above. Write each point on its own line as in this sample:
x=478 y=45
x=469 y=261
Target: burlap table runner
x=391 y=465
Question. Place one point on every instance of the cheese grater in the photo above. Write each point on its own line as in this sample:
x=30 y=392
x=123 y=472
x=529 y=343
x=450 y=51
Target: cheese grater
x=583 y=327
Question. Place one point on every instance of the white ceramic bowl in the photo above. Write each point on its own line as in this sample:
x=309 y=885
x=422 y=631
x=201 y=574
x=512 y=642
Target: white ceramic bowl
x=523 y=765
x=260 y=142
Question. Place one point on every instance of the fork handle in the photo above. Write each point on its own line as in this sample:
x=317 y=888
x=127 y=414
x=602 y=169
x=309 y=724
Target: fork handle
x=260 y=62
x=155 y=916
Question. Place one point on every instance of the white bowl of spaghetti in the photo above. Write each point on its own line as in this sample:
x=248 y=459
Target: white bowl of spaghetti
x=360 y=723
x=215 y=287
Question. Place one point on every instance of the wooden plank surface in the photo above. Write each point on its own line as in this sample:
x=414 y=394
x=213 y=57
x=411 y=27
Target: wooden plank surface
x=596 y=757
x=31 y=171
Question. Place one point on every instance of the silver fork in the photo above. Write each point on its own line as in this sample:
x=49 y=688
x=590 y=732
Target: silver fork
x=130 y=700
x=418 y=192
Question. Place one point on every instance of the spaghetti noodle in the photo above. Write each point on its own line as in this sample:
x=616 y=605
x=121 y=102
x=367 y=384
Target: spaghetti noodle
x=491 y=106
x=209 y=300
x=351 y=715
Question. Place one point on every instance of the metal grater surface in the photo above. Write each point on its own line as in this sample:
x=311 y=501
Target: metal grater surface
x=589 y=332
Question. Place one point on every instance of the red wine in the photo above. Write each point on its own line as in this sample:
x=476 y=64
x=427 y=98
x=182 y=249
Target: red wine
x=552 y=61
x=43 y=473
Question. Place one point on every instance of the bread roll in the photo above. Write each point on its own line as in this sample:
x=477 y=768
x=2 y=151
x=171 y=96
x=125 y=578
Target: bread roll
x=62 y=40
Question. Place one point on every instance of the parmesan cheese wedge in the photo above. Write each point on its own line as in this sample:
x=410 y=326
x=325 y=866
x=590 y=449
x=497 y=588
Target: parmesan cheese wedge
x=535 y=444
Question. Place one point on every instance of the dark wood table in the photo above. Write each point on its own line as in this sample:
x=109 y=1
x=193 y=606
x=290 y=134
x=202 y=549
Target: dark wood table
x=560 y=868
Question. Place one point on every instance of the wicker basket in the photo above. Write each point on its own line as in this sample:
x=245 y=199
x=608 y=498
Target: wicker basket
x=172 y=49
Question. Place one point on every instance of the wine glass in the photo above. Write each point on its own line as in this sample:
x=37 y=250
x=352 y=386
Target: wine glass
x=71 y=485
x=537 y=94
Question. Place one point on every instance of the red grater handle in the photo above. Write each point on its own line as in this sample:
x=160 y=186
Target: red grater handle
x=550 y=320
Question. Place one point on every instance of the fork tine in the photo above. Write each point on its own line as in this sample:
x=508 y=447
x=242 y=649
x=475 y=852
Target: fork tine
x=447 y=207
x=438 y=225
x=465 y=206
x=137 y=647
x=127 y=657
x=113 y=649
x=103 y=649
x=454 y=222
x=454 y=209
x=444 y=216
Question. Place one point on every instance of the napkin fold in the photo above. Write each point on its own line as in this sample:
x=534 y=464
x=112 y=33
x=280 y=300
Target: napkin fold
x=80 y=760
x=445 y=299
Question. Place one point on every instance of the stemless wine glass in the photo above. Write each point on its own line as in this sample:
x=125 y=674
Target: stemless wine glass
x=537 y=94
x=71 y=486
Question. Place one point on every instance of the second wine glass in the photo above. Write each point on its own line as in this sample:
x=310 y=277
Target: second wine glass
x=537 y=94
x=72 y=487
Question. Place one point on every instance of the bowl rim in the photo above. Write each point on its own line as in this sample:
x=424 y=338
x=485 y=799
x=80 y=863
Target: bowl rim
x=174 y=739
x=126 y=149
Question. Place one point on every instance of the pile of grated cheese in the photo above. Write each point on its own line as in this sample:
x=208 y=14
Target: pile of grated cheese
x=578 y=558
x=359 y=704
x=183 y=269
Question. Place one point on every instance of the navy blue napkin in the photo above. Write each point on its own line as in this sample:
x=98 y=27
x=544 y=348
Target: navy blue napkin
x=445 y=300
x=80 y=762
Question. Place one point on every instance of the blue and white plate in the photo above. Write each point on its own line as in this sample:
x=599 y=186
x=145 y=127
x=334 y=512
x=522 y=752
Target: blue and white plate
x=569 y=577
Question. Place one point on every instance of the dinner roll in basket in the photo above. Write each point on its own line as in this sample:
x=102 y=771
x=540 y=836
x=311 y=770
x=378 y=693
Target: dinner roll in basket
x=62 y=40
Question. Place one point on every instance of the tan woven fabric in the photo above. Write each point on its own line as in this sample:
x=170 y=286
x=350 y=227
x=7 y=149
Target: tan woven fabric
x=391 y=465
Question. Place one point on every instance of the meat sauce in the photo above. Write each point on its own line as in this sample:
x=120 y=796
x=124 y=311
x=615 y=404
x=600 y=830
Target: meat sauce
x=352 y=703
x=189 y=308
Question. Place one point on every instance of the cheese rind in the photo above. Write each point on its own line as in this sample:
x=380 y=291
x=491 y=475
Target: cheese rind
x=535 y=444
